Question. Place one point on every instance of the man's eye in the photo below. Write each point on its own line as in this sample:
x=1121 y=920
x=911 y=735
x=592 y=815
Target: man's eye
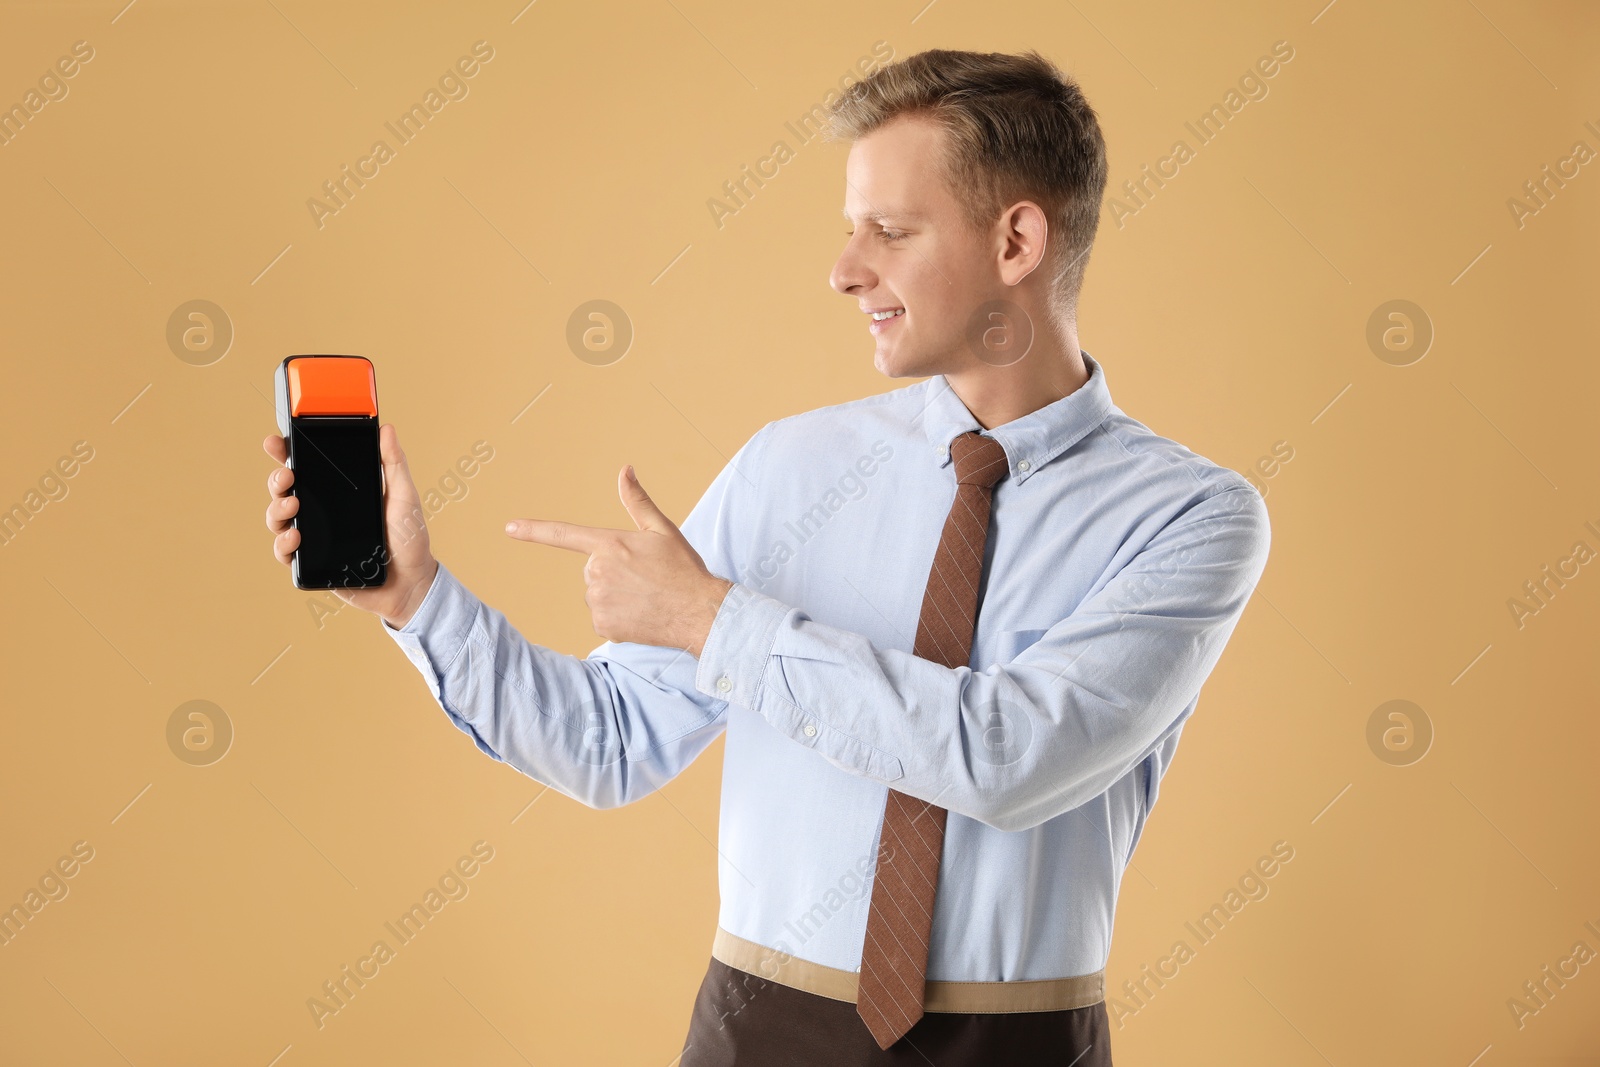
x=891 y=235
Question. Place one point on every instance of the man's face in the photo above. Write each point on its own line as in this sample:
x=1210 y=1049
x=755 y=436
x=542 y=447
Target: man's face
x=911 y=251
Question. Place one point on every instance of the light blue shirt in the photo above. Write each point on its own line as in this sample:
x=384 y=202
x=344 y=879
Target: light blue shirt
x=1117 y=564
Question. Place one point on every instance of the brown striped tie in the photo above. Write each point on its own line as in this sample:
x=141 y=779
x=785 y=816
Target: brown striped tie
x=894 y=956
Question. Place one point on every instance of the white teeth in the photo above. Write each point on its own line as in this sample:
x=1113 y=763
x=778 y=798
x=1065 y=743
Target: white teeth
x=879 y=316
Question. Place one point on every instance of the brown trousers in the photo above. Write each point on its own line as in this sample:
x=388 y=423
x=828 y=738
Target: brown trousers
x=744 y=1020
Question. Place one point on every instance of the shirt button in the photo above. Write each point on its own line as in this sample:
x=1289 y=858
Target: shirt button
x=810 y=730
x=724 y=683
x=943 y=450
x=1023 y=465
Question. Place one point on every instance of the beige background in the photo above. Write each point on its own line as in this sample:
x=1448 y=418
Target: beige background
x=1230 y=313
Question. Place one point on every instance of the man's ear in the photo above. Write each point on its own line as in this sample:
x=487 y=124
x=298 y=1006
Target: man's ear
x=1024 y=230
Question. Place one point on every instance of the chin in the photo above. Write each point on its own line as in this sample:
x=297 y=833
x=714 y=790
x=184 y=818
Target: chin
x=893 y=367
x=902 y=364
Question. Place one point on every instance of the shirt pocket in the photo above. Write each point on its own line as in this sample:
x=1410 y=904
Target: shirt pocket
x=1009 y=644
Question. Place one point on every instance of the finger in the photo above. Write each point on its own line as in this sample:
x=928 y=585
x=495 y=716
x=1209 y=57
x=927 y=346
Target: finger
x=405 y=519
x=284 y=544
x=560 y=534
x=640 y=507
x=281 y=511
x=398 y=485
x=279 y=481
x=395 y=467
x=276 y=448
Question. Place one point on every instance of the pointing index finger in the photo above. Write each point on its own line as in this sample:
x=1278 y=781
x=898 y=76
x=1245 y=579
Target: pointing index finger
x=569 y=535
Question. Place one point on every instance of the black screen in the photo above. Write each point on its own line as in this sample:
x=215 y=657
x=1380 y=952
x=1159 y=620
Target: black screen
x=338 y=477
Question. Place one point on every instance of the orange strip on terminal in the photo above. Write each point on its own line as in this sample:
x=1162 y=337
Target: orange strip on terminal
x=332 y=385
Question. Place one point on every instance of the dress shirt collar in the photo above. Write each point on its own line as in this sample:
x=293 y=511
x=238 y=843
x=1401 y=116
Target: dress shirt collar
x=1034 y=439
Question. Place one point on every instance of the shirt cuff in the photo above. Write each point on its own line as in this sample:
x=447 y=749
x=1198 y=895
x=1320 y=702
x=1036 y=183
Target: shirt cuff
x=734 y=658
x=437 y=631
x=750 y=632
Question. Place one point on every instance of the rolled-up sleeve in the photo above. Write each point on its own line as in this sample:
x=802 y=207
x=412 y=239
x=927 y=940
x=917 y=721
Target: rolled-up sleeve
x=605 y=730
x=1021 y=742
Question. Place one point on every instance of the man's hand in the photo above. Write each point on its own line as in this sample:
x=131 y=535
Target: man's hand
x=647 y=586
x=411 y=565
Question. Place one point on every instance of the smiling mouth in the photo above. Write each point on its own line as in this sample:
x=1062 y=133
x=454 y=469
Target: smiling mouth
x=882 y=320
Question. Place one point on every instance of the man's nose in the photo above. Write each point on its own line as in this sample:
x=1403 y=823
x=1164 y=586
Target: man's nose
x=849 y=273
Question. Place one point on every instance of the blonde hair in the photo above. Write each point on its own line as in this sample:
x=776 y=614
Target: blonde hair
x=1016 y=128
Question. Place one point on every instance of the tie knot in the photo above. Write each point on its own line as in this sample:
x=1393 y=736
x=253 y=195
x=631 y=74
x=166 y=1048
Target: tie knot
x=979 y=460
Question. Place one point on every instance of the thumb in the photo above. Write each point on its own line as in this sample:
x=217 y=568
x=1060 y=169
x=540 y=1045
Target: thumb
x=403 y=516
x=396 y=471
x=640 y=507
x=399 y=490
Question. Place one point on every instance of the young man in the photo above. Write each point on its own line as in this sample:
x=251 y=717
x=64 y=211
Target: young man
x=927 y=807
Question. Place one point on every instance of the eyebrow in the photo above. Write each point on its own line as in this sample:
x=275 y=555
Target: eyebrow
x=880 y=216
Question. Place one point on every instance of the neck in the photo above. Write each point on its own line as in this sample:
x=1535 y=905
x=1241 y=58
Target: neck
x=1052 y=369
